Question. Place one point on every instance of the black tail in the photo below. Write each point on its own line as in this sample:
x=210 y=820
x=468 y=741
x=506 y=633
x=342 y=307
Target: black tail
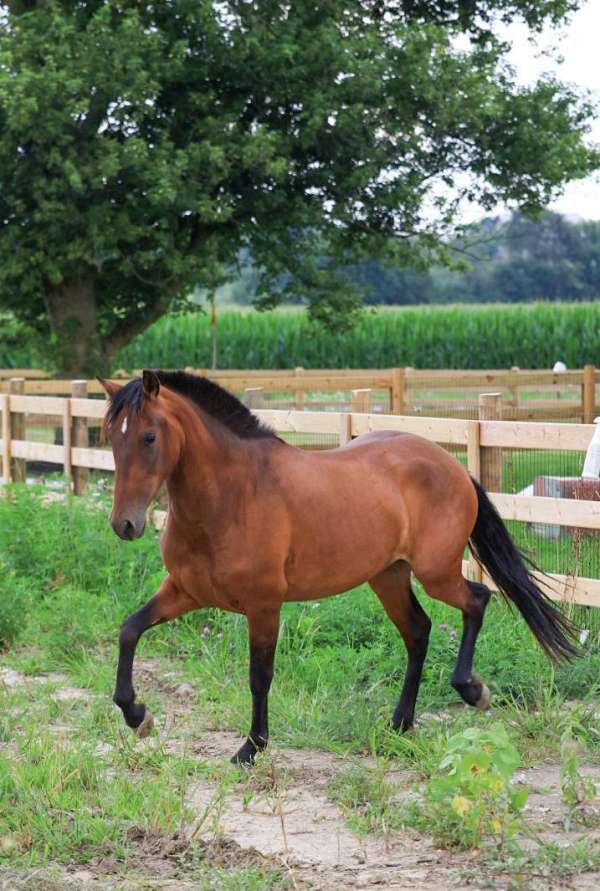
x=494 y=549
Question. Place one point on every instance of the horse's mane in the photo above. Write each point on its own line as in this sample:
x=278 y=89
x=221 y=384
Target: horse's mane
x=210 y=397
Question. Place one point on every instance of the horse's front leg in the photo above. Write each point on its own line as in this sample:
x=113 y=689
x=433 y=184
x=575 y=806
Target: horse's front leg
x=168 y=603
x=263 y=628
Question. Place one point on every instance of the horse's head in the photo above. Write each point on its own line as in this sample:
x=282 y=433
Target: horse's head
x=146 y=448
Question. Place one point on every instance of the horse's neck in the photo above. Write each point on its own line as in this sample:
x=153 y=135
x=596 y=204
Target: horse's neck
x=202 y=477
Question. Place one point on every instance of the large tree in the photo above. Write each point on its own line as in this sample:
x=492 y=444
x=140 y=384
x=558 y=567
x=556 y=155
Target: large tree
x=144 y=143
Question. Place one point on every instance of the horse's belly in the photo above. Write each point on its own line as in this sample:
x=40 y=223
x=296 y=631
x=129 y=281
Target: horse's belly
x=341 y=559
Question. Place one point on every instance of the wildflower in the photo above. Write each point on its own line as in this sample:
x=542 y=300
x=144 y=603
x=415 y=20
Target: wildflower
x=461 y=805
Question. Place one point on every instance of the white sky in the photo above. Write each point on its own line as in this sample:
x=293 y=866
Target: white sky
x=579 y=46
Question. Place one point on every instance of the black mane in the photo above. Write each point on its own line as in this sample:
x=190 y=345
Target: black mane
x=210 y=397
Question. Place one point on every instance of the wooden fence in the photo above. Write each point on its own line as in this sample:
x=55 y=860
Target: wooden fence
x=482 y=440
x=526 y=395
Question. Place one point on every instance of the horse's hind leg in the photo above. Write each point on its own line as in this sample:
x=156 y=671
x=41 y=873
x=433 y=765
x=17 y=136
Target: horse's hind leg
x=472 y=599
x=394 y=590
x=168 y=603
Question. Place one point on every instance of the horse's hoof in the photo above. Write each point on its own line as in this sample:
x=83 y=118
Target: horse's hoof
x=245 y=756
x=145 y=728
x=484 y=699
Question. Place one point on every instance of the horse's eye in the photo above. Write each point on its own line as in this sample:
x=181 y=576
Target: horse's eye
x=149 y=438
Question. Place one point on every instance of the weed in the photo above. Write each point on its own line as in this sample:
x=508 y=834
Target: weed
x=470 y=799
x=577 y=790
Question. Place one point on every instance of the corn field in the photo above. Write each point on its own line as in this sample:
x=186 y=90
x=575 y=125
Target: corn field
x=530 y=336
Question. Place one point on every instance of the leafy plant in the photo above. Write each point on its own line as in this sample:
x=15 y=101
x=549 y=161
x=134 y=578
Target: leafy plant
x=577 y=790
x=469 y=798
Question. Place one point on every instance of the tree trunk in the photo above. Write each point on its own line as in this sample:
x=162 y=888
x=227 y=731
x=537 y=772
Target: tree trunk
x=73 y=318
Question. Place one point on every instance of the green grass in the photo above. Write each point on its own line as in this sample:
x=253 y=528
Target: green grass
x=66 y=583
x=490 y=336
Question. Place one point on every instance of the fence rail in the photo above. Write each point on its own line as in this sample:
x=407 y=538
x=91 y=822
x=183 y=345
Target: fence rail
x=526 y=394
x=481 y=441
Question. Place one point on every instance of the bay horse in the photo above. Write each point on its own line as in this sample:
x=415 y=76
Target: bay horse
x=254 y=522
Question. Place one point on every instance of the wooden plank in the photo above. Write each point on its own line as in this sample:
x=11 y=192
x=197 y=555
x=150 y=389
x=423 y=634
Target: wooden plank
x=291 y=384
x=446 y=430
x=88 y=408
x=505 y=379
x=524 y=435
x=97 y=459
x=565 y=588
x=40 y=405
x=23 y=372
x=555 y=511
x=62 y=387
x=37 y=451
x=300 y=421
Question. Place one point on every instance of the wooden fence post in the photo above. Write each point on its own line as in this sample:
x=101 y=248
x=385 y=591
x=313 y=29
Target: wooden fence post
x=397 y=391
x=254 y=397
x=406 y=390
x=513 y=399
x=67 y=438
x=490 y=409
x=474 y=468
x=17 y=430
x=5 y=399
x=345 y=427
x=588 y=394
x=79 y=438
x=299 y=394
x=361 y=400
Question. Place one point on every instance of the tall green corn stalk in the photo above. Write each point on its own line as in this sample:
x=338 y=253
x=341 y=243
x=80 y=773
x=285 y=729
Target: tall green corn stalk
x=530 y=336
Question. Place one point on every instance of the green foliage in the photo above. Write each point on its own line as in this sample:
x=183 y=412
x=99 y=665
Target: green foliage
x=141 y=145
x=470 y=799
x=577 y=790
x=428 y=337
x=20 y=345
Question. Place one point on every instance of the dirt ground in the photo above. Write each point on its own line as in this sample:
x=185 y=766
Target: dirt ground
x=287 y=822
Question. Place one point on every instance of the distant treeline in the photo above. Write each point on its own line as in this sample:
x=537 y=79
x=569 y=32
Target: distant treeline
x=505 y=261
x=499 y=260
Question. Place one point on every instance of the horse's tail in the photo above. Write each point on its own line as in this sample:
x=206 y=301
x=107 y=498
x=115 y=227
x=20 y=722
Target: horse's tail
x=494 y=549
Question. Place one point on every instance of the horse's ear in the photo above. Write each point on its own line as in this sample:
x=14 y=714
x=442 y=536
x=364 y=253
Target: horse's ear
x=151 y=383
x=109 y=386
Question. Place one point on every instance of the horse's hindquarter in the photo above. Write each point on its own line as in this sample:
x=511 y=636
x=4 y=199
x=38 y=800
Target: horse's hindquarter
x=356 y=510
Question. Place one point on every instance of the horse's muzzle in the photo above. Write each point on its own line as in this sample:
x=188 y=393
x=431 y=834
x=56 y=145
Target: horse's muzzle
x=128 y=529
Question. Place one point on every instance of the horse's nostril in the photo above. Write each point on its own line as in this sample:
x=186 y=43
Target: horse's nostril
x=124 y=528
x=128 y=530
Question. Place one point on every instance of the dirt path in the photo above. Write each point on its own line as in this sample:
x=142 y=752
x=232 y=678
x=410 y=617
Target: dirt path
x=280 y=815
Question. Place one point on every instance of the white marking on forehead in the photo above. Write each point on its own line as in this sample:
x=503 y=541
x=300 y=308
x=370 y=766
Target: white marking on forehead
x=124 y=426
